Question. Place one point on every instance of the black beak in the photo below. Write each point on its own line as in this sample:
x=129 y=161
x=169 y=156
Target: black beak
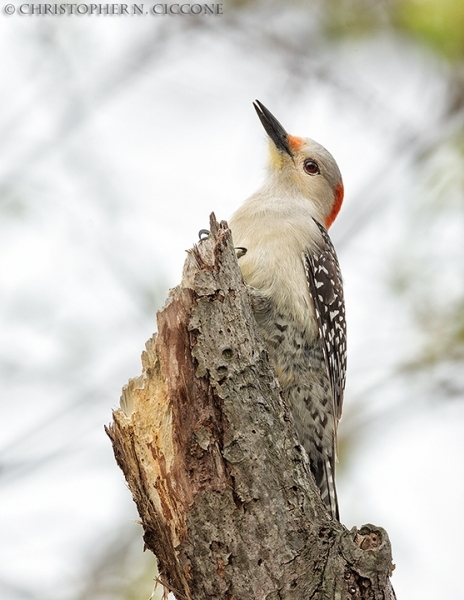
x=273 y=128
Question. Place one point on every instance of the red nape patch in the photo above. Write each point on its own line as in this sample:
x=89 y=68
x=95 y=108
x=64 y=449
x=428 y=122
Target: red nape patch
x=338 y=199
x=295 y=143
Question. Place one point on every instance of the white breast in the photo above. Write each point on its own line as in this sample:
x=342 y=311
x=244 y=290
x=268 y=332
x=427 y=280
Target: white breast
x=276 y=233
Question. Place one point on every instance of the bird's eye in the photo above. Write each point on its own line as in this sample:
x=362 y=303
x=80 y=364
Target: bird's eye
x=311 y=167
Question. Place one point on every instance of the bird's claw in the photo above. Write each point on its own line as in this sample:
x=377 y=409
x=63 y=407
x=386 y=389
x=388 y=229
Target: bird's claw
x=203 y=234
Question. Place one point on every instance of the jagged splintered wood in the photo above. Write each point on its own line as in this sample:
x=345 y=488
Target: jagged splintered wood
x=204 y=439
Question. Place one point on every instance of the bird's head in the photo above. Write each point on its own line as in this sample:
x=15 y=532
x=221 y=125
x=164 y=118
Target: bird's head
x=303 y=167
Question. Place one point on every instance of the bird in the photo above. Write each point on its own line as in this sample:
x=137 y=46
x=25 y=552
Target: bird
x=291 y=268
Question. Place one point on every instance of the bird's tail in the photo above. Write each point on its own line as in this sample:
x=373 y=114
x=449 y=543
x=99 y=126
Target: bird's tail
x=324 y=474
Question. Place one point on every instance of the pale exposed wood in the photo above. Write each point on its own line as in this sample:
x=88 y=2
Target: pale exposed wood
x=210 y=455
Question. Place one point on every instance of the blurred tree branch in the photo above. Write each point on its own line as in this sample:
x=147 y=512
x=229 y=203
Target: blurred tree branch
x=69 y=102
x=224 y=493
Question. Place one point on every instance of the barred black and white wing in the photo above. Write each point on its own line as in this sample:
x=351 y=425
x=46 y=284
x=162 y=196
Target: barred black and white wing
x=326 y=288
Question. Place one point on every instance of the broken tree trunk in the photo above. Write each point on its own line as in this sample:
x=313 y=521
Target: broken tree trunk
x=205 y=441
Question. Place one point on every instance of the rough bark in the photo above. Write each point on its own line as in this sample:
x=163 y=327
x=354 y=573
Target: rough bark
x=205 y=441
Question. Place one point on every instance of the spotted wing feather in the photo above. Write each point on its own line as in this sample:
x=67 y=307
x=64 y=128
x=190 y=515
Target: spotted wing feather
x=326 y=288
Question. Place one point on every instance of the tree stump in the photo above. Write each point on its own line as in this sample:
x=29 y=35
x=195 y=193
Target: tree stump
x=209 y=451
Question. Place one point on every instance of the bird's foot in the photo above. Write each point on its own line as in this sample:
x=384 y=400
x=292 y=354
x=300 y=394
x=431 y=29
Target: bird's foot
x=203 y=234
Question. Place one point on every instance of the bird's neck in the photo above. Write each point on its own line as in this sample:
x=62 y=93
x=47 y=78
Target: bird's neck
x=286 y=201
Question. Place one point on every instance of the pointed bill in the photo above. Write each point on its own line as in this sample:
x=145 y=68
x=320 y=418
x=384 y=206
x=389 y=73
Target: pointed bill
x=273 y=128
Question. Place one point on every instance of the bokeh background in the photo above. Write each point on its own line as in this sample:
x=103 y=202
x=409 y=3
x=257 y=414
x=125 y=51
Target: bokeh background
x=119 y=136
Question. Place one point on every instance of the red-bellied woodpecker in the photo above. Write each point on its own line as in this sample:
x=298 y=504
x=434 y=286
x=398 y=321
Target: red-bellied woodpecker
x=292 y=269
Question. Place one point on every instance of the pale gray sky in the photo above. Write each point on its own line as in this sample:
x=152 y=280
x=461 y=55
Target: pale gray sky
x=120 y=135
